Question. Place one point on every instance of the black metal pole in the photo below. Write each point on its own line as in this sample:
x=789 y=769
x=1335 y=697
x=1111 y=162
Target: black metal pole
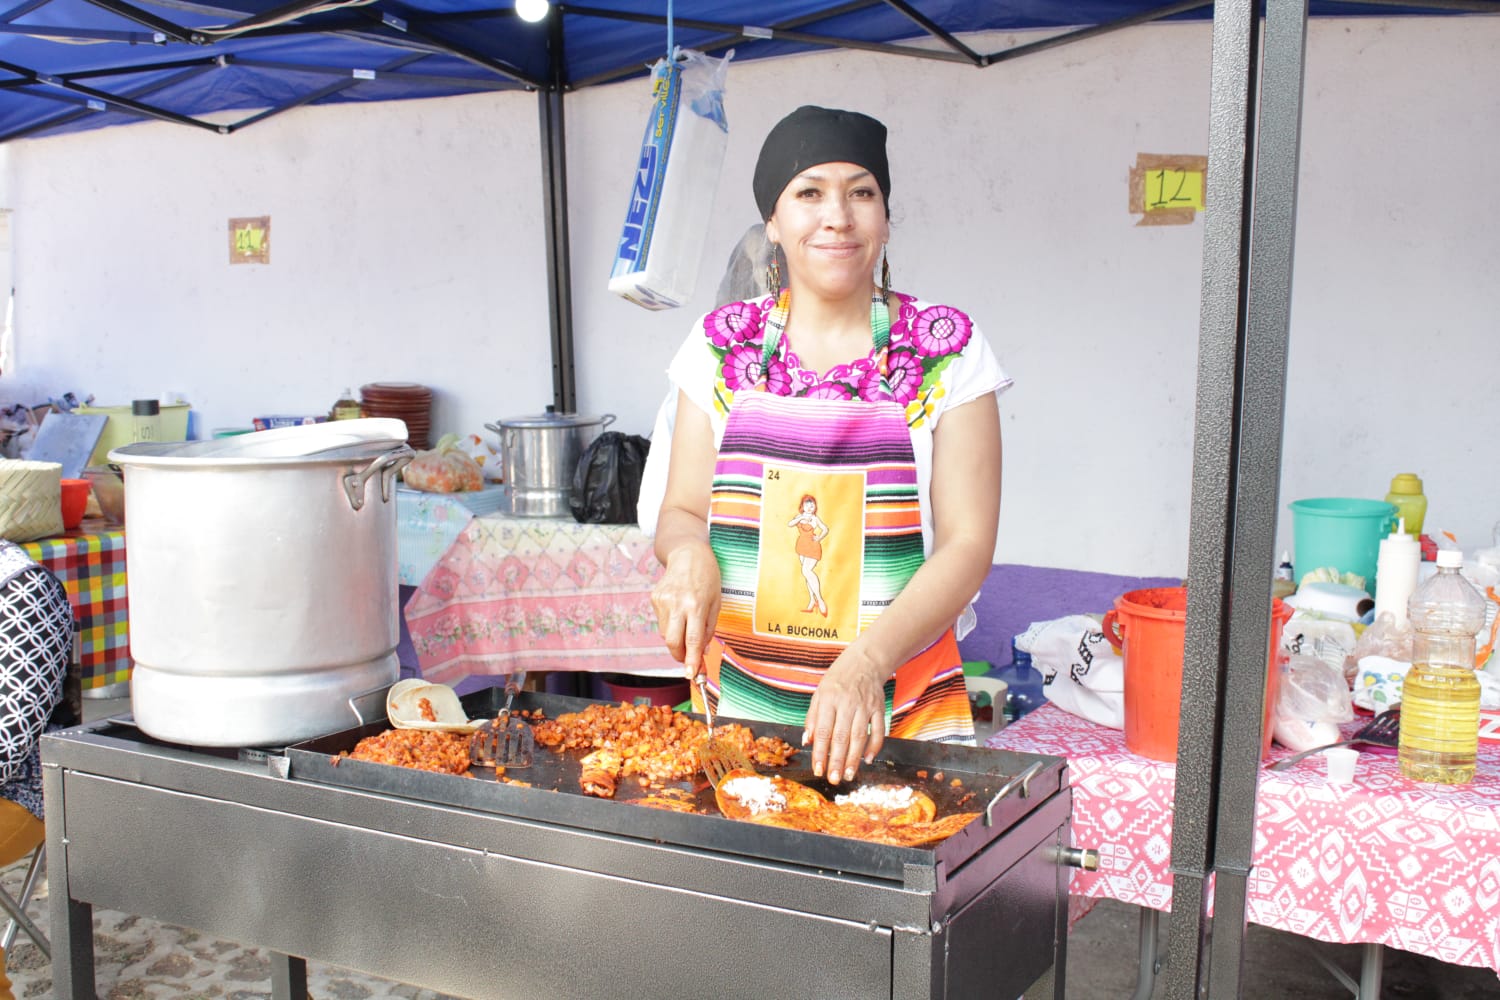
x=1262 y=395
x=555 y=200
x=1226 y=228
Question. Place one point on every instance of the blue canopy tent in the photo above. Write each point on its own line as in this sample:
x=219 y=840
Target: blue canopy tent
x=76 y=64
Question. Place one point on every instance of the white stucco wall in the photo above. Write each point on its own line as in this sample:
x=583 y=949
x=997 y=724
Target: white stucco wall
x=407 y=244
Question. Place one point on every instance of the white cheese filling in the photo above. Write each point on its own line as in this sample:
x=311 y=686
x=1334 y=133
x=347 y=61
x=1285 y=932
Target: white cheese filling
x=758 y=794
x=894 y=797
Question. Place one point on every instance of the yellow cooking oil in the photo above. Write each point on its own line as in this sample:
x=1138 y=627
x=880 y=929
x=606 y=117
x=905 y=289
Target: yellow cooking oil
x=1439 y=724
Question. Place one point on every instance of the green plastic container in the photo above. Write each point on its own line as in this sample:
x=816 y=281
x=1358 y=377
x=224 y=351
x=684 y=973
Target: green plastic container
x=1341 y=532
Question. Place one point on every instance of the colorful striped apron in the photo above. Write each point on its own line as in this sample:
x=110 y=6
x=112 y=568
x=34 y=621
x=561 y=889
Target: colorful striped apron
x=816 y=526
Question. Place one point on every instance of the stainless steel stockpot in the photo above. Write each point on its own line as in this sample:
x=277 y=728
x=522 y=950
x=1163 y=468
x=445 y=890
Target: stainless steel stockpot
x=541 y=453
x=262 y=576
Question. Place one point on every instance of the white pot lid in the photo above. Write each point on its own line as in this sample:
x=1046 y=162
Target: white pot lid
x=334 y=440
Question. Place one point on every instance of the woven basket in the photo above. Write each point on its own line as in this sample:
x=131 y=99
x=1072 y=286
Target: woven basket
x=30 y=500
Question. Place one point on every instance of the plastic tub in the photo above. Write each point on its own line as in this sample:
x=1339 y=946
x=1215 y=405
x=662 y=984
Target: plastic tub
x=1151 y=627
x=1341 y=532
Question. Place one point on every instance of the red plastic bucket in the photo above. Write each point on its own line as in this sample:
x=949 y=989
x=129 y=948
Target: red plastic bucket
x=1151 y=627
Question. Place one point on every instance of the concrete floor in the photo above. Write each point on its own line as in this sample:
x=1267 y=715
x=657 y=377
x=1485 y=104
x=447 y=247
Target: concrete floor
x=1104 y=945
x=1102 y=965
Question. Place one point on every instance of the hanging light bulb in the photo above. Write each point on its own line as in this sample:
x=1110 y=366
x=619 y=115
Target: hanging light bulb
x=532 y=10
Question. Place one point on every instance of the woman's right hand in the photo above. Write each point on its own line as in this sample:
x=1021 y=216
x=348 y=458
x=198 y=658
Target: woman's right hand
x=686 y=600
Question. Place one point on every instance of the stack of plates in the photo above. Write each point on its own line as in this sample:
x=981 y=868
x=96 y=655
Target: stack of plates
x=406 y=401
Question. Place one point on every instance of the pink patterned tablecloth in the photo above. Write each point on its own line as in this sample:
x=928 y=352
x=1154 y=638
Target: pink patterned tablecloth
x=1384 y=860
x=539 y=593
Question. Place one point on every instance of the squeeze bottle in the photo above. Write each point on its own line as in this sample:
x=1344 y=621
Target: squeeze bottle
x=1440 y=698
x=1396 y=568
x=1411 y=504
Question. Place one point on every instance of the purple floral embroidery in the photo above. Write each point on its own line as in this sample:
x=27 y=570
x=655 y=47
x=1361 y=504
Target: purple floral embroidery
x=869 y=386
x=742 y=367
x=917 y=341
x=804 y=379
x=941 y=330
x=733 y=323
x=829 y=390
x=904 y=373
x=778 y=379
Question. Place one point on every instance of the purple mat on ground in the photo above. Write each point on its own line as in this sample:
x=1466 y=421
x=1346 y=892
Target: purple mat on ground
x=1014 y=596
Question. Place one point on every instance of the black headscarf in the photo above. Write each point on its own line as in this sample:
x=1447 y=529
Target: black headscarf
x=810 y=136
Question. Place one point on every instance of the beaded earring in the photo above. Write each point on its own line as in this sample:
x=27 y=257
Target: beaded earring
x=885 y=276
x=773 y=274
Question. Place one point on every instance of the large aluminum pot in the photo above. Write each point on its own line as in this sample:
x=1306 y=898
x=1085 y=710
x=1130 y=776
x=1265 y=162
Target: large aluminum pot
x=262 y=576
x=541 y=453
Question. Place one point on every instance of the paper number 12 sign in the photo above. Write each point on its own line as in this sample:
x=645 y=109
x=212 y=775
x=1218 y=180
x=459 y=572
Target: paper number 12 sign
x=1174 y=189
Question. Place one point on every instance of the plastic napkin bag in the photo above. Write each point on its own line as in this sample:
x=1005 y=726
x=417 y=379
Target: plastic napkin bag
x=671 y=200
x=1081 y=672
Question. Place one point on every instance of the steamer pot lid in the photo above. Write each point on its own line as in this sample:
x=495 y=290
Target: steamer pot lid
x=336 y=441
x=554 y=419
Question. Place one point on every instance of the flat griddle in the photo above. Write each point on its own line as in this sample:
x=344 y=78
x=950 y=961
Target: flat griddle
x=554 y=795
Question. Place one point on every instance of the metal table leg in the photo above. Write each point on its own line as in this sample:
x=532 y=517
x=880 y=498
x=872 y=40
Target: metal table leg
x=288 y=977
x=1148 y=963
x=1370 y=968
x=1370 y=971
x=72 y=948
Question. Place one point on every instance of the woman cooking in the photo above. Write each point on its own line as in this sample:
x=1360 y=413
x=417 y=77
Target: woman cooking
x=879 y=405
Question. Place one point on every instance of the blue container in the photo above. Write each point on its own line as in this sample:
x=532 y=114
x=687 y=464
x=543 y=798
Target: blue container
x=1023 y=684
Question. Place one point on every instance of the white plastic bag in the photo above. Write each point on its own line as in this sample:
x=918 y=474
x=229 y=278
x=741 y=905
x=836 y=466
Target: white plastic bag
x=1314 y=699
x=656 y=263
x=1081 y=672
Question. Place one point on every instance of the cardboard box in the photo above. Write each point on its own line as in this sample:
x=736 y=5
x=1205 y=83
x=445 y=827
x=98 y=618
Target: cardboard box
x=174 y=425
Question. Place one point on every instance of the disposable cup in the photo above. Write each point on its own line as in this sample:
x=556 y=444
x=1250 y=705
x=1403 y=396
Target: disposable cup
x=1340 y=762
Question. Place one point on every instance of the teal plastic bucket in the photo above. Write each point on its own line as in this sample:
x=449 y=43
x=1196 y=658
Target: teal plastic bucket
x=1341 y=532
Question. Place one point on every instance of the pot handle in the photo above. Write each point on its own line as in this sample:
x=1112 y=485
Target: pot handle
x=386 y=466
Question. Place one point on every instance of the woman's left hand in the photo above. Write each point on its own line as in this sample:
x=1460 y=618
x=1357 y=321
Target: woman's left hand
x=846 y=719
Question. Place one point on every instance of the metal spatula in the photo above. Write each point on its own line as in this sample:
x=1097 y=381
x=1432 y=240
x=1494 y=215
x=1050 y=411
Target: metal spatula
x=718 y=757
x=1382 y=731
x=504 y=741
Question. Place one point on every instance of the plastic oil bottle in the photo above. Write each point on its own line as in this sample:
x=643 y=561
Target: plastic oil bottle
x=1440 y=699
x=346 y=407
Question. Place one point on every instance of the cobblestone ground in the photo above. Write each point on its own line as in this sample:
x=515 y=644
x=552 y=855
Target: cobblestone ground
x=140 y=959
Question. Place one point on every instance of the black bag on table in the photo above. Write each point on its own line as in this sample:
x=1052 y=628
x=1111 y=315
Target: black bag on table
x=607 y=481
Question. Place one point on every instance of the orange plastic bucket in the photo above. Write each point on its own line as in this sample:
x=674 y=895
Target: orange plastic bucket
x=1151 y=627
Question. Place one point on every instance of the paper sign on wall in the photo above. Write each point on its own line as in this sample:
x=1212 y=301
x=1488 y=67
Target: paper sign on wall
x=250 y=240
x=1167 y=190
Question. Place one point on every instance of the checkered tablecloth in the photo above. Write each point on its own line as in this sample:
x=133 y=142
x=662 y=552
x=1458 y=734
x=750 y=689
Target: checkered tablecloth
x=90 y=563
x=1384 y=860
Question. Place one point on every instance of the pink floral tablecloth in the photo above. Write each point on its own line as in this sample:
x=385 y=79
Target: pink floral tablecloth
x=1384 y=860
x=539 y=593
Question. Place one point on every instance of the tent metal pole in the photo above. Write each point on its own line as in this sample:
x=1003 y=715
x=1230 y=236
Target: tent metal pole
x=1215 y=465
x=103 y=97
x=555 y=201
x=1145 y=17
x=132 y=13
x=322 y=92
x=72 y=116
x=1262 y=378
x=463 y=52
x=936 y=30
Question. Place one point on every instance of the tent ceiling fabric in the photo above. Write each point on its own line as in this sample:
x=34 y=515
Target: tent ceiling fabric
x=67 y=65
